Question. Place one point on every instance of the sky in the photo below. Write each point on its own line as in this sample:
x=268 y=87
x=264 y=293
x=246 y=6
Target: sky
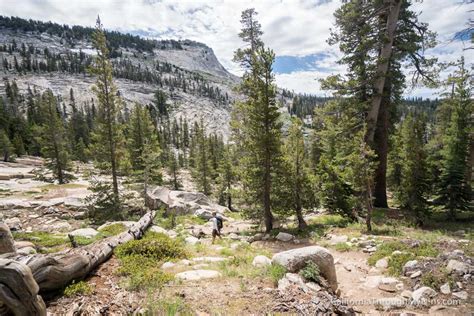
x=296 y=30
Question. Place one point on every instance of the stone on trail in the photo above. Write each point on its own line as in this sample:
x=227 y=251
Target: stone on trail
x=284 y=237
x=196 y=275
x=13 y=223
x=415 y=274
x=208 y=259
x=382 y=263
x=410 y=266
x=455 y=266
x=158 y=229
x=422 y=295
x=296 y=259
x=336 y=239
x=26 y=251
x=23 y=244
x=191 y=240
x=84 y=232
x=261 y=261
x=7 y=243
x=461 y=295
x=168 y=265
x=445 y=288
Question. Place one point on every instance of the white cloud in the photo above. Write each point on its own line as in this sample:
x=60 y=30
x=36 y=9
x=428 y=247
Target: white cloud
x=291 y=27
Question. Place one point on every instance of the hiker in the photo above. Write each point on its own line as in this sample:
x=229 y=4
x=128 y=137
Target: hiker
x=216 y=226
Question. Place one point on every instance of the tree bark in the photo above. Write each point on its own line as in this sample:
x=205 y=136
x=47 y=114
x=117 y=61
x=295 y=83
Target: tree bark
x=18 y=290
x=381 y=148
x=54 y=271
x=382 y=68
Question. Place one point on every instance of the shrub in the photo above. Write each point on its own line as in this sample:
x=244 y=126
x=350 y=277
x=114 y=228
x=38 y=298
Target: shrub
x=156 y=246
x=79 y=288
x=275 y=272
x=342 y=247
x=113 y=229
x=310 y=272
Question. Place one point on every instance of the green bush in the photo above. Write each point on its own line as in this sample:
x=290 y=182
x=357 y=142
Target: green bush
x=310 y=272
x=342 y=247
x=275 y=272
x=156 y=246
x=140 y=260
x=79 y=288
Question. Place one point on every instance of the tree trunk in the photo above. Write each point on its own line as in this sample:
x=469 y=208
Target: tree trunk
x=382 y=68
x=381 y=148
x=54 y=271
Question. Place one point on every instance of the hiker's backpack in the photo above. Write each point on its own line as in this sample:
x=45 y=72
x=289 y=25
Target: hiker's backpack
x=219 y=223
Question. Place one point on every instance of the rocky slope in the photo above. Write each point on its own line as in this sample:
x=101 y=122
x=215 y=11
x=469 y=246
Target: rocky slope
x=197 y=85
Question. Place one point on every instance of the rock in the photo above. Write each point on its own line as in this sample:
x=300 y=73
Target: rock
x=7 y=243
x=388 y=284
x=158 y=229
x=261 y=261
x=406 y=294
x=23 y=244
x=84 y=232
x=203 y=213
x=336 y=239
x=26 y=251
x=410 y=266
x=256 y=237
x=313 y=286
x=191 y=240
x=458 y=252
x=369 y=249
x=185 y=262
x=445 y=288
x=415 y=274
x=373 y=281
x=366 y=243
x=284 y=237
x=389 y=303
x=382 y=263
x=234 y=236
x=208 y=259
x=80 y=215
x=13 y=223
x=348 y=267
x=455 y=266
x=266 y=237
x=443 y=310
x=200 y=266
x=396 y=252
x=196 y=275
x=182 y=202
x=295 y=278
x=60 y=226
x=283 y=284
x=295 y=259
x=461 y=295
x=168 y=265
x=422 y=295
x=74 y=203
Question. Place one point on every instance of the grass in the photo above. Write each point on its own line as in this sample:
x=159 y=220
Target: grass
x=113 y=229
x=80 y=288
x=170 y=307
x=275 y=272
x=342 y=247
x=171 y=221
x=310 y=272
x=397 y=261
x=434 y=279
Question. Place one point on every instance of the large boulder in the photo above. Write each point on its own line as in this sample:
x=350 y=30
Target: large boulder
x=296 y=259
x=7 y=244
x=182 y=202
x=261 y=261
x=423 y=295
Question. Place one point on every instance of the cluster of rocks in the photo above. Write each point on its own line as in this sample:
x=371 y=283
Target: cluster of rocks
x=308 y=297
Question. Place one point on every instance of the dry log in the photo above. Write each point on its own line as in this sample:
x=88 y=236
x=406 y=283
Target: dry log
x=54 y=271
x=7 y=244
x=18 y=290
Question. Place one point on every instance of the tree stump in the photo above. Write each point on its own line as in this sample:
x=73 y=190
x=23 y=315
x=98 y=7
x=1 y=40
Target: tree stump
x=18 y=290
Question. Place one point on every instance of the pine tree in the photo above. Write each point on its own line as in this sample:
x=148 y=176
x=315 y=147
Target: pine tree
x=414 y=185
x=107 y=135
x=298 y=178
x=173 y=170
x=5 y=146
x=453 y=187
x=18 y=145
x=226 y=178
x=202 y=171
x=53 y=138
x=258 y=121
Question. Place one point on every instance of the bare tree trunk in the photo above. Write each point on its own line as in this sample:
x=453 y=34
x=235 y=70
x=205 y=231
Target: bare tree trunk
x=54 y=271
x=382 y=68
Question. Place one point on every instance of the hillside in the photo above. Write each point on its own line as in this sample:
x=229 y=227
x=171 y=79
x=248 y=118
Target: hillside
x=50 y=56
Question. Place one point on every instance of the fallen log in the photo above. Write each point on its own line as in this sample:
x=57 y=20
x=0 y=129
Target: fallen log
x=55 y=271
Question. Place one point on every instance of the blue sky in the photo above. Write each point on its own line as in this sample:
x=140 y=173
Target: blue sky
x=297 y=30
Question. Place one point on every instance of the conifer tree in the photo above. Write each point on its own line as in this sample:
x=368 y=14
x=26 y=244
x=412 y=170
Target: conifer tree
x=107 y=135
x=258 y=121
x=414 y=185
x=5 y=146
x=53 y=138
x=226 y=178
x=202 y=172
x=298 y=179
x=453 y=188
